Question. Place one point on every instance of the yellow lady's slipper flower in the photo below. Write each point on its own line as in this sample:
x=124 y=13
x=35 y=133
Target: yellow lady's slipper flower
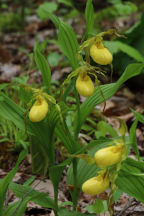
x=39 y=110
x=95 y=185
x=100 y=54
x=84 y=85
x=108 y=156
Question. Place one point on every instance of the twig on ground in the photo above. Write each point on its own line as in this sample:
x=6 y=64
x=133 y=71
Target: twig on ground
x=126 y=207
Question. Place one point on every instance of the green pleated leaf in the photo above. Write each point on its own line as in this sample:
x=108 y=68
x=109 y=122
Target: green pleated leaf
x=54 y=19
x=69 y=89
x=108 y=90
x=63 y=137
x=66 y=212
x=130 y=179
x=18 y=208
x=45 y=12
x=138 y=116
x=68 y=43
x=66 y=137
x=29 y=181
x=48 y=7
x=116 y=46
x=35 y=196
x=136 y=164
x=68 y=3
x=44 y=68
x=11 y=111
x=89 y=16
x=106 y=128
x=4 y=183
x=63 y=132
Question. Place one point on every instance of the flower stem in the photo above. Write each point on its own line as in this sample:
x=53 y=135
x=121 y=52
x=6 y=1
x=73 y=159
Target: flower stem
x=56 y=202
x=74 y=162
x=75 y=194
x=78 y=113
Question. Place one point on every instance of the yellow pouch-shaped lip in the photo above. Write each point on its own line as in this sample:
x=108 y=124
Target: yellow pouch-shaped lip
x=39 y=110
x=108 y=156
x=95 y=185
x=84 y=85
x=100 y=55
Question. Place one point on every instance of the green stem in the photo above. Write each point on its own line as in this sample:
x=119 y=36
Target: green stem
x=78 y=113
x=111 y=72
x=51 y=149
x=74 y=163
x=56 y=202
x=110 y=202
x=75 y=194
x=113 y=188
x=87 y=52
x=55 y=212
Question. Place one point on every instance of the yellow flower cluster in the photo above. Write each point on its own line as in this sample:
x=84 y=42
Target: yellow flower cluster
x=100 y=55
x=104 y=158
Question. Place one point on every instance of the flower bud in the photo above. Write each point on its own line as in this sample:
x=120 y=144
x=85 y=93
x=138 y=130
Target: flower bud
x=39 y=110
x=108 y=156
x=95 y=185
x=100 y=54
x=84 y=85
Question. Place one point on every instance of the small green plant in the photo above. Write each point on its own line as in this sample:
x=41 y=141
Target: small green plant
x=10 y=22
x=116 y=9
x=12 y=134
x=45 y=120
